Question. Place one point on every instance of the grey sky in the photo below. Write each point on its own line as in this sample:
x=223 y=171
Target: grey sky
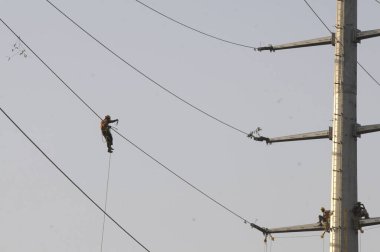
x=284 y=92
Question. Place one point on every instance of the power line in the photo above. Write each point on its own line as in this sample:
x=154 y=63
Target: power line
x=51 y=70
x=183 y=180
x=194 y=29
x=370 y=75
x=125 y=138
x=145 y=75
x=361 y=66
x=72 y=182
x=320 y=19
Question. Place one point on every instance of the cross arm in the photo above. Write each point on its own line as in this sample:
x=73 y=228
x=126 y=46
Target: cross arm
x=367 y=129
x=290 y=229
x=314 y=135
x=367 y=34
x=369 y=222
x=310 y=227
x=330 y=40
x=297 y=137
x=299 y=228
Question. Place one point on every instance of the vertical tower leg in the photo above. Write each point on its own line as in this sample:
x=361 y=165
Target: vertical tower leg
x=343 y=236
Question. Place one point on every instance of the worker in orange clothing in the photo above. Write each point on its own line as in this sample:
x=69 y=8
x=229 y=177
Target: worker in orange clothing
x=324 y=220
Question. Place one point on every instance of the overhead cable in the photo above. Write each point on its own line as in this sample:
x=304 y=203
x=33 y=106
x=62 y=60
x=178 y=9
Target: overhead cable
x=72 y=182
x=324 y=24
x=51 y=70
x=183 y=180
x=145 y=75
x=125 y=138
x=316 y=14
x=194 y=29
x=370 y=75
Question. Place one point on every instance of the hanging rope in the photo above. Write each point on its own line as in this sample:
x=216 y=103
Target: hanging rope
x=105 y=203
x=72 y=181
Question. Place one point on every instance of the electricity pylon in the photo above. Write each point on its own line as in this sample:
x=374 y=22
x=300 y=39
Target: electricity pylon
x=346 y=220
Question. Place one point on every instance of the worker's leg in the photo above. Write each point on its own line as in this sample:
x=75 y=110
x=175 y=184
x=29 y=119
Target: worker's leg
x=111 y=138
x=109 y=142
x=320 y=217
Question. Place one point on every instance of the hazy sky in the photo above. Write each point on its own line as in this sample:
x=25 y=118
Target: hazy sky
x=284 y=93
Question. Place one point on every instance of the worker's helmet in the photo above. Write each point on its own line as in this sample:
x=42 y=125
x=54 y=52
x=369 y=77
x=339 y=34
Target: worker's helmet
x=108 y=117
x=322 y=209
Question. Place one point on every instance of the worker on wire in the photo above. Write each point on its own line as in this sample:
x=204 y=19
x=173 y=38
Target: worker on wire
x=324 y=219
x=106 y=131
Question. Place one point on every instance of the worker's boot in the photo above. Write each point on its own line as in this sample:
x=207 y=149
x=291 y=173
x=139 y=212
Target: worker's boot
x=109 y=146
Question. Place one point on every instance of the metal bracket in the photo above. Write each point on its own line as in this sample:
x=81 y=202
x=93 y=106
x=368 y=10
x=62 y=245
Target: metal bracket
x=330 y=133
x=355 y=132
x=355 y=34
x=333 y=38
